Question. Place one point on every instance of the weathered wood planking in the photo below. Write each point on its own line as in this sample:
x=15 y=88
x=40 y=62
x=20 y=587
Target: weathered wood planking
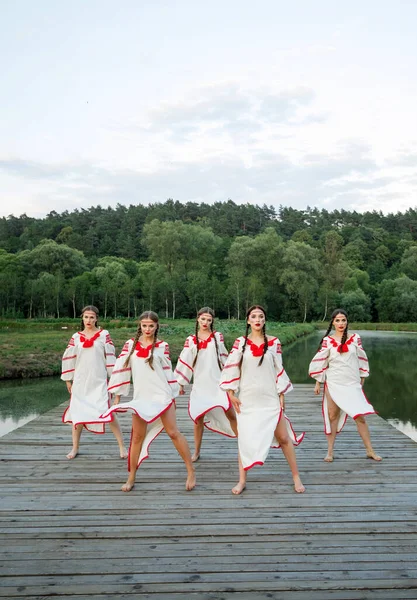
x=70 y=532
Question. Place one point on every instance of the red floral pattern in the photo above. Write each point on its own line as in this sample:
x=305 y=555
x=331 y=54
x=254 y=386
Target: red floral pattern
x=144 y=351
x=89 y=342
x=342 y=347
x=202 y=344
x=258 y=350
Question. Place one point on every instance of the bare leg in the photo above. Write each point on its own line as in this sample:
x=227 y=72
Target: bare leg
x=241 y=485
x=198 y=437
x=117 y=432
x=170 y=424
x=138 y=435
x=231 y=415
x=281 y=435
x=363 y=430
x=76 y=434
x=334 y=413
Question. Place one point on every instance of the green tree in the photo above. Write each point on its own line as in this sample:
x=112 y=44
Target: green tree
x=301 y=274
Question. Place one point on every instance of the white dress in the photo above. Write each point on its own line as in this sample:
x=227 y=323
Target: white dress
x=258 y=389
x=88 y=363
x=341 y=374
x=154 y=389
x=207 y=400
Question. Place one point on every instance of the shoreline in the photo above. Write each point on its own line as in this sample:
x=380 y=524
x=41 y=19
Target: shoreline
x=35 y=350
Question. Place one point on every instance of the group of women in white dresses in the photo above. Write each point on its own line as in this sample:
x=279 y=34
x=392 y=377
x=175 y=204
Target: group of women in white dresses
x=238 y=394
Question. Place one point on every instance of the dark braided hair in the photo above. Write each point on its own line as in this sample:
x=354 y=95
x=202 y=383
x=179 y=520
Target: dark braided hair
x=93 y=309
x=148 y=314
x=248 y=312
x=209 y=311
x=338 y=311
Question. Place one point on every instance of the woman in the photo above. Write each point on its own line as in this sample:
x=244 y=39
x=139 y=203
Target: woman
x=254 y=371
x=342 y=365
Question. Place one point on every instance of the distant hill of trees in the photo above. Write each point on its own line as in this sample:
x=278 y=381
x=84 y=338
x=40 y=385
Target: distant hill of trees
x=175 y=258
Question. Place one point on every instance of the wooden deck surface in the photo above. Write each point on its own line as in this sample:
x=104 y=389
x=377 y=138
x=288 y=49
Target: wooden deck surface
x=69 y=532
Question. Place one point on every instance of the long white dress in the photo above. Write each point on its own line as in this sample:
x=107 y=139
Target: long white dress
x=341 y=374
x=154 y=390
x=207 y=400
x=88 y=363
x=258 y=388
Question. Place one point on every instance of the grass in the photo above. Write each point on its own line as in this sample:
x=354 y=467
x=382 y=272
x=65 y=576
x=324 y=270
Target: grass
x=34 y=348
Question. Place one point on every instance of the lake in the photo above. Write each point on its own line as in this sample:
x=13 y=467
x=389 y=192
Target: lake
x=391 y=388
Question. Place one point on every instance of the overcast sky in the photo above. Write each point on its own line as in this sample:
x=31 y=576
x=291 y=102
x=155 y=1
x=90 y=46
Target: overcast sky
x=268 y=101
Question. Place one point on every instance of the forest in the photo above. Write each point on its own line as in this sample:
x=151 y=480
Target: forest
x=175 y=257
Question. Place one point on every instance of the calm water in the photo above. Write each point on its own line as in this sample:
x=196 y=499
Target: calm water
x=390 y=388
x=24 y=400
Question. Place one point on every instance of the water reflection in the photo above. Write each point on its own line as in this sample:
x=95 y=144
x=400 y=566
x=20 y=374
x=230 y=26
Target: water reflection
x=24 y=400
x=390 y=388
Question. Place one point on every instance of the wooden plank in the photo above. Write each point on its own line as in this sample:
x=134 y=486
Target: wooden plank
x=71 y=533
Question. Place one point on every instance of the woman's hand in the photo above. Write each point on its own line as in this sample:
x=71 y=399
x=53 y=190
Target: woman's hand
x=116 y=400
x=362 y=380
x=69 y=386
x=282 y=401
x=182 y=392
x=235 y=401
x=317 y=388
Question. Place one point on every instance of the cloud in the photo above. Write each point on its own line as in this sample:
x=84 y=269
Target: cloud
x=263 y=145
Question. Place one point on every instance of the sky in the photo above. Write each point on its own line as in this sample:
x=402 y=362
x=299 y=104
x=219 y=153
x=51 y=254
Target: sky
x=271 y=102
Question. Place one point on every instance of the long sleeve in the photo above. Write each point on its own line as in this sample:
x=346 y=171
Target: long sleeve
x=119 y=383
x=68 y=361
x=167 y=367
x=223 y=354
x=230 y=377
x=110 y=352
x=319 y=364
x=184 y=369
x=282 y=380
x=363 y=359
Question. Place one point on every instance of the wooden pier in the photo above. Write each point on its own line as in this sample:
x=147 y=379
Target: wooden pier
x=69 y=532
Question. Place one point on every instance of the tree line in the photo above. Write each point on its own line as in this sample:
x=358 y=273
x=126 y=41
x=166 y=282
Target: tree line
x=174 y=258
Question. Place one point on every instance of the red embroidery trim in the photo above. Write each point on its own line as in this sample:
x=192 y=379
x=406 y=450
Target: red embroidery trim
x=342 y=347
x=202 y=344
x=258 y=350
x=89 y=342
x=144 y=351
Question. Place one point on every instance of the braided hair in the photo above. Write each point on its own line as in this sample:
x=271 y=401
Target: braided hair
x=248 y=312
x=148 y=314
x=93 y=309
x=209 y=311
x=338 y=311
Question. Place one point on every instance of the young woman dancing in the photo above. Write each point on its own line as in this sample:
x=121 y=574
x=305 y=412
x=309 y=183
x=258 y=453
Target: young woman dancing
x=342 y=365
x=202 y=359
x=87 y=363
x=146 y=360
x=254 y=371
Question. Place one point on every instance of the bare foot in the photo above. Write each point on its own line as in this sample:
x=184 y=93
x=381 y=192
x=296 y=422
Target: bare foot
x=72 y=454
x=371 y=454
x=239 y=487
x=128 y=486
x=298 y=486
x=328 y=457
x=190 y=483
x=195 y=457
x=123 y=453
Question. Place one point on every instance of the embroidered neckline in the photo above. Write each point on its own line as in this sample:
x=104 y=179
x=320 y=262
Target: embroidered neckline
x=202 y=344
x=144 y=351
x=339 y=346
x=89 y=342
x=259 y=350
